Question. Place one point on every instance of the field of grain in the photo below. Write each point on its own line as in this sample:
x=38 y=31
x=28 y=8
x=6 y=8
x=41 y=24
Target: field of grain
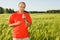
x=44 y=27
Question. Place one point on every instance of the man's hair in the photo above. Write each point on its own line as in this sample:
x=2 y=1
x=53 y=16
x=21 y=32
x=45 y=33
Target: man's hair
x=22 y=3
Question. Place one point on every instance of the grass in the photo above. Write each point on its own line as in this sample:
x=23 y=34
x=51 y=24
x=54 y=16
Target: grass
x=44 y=27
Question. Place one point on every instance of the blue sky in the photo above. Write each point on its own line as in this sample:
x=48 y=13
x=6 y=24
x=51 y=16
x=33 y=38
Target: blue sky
x=32 y=5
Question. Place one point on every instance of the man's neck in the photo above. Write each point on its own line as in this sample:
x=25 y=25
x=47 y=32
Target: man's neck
x=20 y=11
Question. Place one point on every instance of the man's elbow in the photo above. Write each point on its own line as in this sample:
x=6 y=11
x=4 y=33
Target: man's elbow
x=30 y=24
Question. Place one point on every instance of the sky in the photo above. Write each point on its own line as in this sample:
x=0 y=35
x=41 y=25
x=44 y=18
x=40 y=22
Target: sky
x=32 y=5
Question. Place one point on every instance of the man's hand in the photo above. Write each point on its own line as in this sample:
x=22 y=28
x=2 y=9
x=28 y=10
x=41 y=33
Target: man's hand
x=24 y=17
x=15 y=24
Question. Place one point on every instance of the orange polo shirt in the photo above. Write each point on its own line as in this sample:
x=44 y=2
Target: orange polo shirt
x=20 y=31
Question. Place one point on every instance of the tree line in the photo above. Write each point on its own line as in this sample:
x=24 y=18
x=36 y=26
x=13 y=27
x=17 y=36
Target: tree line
x=6 y=10
x=48 y=11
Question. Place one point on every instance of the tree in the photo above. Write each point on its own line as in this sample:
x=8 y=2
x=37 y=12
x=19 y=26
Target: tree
x=1 y=10
x=10 y=10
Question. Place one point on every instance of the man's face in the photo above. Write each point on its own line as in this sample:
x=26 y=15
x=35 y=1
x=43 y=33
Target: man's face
x=21 y=6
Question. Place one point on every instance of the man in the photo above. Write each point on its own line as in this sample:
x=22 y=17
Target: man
x=20 y=21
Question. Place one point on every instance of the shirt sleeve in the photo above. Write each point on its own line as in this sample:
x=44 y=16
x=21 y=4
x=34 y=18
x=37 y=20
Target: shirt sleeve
x=11 y=19
x=29 y=18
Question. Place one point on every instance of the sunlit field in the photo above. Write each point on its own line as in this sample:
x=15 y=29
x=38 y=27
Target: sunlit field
x=44 y=27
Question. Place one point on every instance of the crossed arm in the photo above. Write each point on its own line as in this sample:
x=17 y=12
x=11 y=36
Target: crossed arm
x=15 y=24
x=19 y=23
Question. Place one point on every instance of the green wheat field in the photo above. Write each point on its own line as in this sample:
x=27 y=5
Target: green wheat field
x=44 y=27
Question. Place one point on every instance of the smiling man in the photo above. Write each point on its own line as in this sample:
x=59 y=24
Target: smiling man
x=20 y=21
